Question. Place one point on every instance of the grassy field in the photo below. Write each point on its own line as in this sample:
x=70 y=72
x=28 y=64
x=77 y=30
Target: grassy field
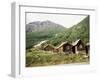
x=35 y=57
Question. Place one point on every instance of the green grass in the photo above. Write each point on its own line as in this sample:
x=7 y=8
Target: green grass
x=35 y=57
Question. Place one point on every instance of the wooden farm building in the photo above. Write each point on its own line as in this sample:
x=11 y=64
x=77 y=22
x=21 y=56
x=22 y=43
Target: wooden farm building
x=48 y=47
x=65 y=47
x=87 y=48
x=78 y=46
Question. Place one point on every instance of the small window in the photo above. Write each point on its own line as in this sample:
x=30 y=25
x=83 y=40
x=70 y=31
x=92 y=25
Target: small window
x=80 y=46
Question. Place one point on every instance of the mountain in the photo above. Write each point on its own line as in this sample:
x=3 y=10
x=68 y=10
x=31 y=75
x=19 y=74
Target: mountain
x=46 y=30
x=43 y=26
x=41 y=30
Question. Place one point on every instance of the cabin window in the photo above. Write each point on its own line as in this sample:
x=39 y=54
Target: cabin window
x=80 y=46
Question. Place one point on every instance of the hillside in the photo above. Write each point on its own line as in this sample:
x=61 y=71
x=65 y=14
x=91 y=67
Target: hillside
x=78 y=31
x=81 y=30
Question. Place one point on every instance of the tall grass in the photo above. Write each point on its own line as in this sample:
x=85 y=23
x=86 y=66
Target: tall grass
x=35 y=57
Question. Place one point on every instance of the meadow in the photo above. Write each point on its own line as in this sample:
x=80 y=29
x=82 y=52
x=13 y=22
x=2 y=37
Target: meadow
x=37 y=57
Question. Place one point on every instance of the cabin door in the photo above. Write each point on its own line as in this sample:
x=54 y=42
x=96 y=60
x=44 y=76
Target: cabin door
x=73 y=49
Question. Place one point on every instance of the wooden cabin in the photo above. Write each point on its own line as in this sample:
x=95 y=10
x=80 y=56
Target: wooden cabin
x=65 y=47
x=48 y=47
x=78 y=46
x=87 y=48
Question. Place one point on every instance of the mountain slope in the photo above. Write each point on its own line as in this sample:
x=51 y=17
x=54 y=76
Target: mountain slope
x=78 y=31
x=81 y=30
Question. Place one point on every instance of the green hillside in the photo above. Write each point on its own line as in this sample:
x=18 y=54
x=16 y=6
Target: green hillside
x=34 y=38
x=78 y=31
x=81 y=30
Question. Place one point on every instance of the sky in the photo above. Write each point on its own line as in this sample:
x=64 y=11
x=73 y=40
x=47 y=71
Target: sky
x=64 y=20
